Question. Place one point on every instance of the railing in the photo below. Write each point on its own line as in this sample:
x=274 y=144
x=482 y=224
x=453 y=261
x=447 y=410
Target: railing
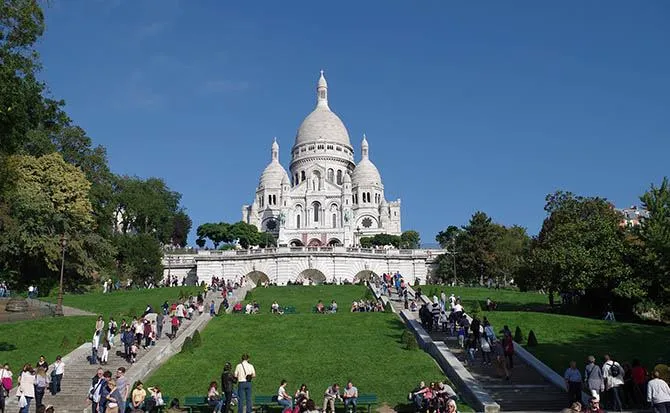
x=312 y=250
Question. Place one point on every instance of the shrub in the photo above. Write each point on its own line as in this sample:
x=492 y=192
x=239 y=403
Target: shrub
x=408 y=340
x=388 y=308
x=532 y=340
x=476 y=311
x=518 y=335
x=187 y=347
x=65 y=344
x=182 y=294
x=196 y=341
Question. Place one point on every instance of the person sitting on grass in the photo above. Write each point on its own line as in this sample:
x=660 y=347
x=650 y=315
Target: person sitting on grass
x=331 y=394
x=421 y=396
x=274 y=308
x=283 y=397
x=320 y=308
x=214 y=398
x=137 y=396
x=350 y=397
x=333 y=307
x=451 y=406
x=237 y=308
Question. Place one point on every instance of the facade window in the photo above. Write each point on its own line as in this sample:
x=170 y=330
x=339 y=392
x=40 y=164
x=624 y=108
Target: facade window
x=302 y=176
x=296 y=182
x=367 y=222
x=334 y=220
x=339 y=177
x=331 y=175
x=296 y=152
x=269 y=199
x=303 y=149
x=316 y=206
x=330 y=147
x=322 y=94
x=339 y=148
x=297 y=221
x=311 y=147
x=319 y=146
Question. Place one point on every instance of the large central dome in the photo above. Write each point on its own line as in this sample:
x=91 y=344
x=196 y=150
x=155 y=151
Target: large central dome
x=322 y=124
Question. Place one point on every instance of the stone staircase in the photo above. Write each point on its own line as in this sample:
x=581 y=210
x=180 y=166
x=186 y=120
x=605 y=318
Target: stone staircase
x=79 y=372
x=526 y=390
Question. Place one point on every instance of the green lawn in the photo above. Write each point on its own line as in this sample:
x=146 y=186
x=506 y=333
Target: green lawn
x=24 y=341
x=562 y=338
x=315 y=349
x=124 y=303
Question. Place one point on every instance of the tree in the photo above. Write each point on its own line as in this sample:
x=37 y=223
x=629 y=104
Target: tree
x=246 y=234
x=410 y=239
x=380 y=240
x=477 y=248
x=46 y=199
x=512 y=247
x=581 y=248
x=447 y=238
x=181 y=225
x=139 y=257
x=653 y=242
x=266 y=240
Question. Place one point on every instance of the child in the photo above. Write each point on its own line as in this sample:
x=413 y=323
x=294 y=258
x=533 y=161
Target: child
x=461 y=336
x=133 y=353
x=212 y=312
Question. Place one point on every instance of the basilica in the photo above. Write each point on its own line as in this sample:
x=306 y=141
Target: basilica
x=327 y=199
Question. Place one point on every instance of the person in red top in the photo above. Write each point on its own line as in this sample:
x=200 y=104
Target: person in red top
x=175 y=325
x=639 y=375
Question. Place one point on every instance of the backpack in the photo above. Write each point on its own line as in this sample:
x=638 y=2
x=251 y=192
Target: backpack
x=615 y=370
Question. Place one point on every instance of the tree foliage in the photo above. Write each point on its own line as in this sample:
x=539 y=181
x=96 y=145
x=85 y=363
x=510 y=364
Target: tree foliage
x=245 y=234
x=410 y=240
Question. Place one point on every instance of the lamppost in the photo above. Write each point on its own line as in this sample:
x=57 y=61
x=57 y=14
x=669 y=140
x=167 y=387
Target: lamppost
x=59 y=303
x=358 y=236
x=453 y=254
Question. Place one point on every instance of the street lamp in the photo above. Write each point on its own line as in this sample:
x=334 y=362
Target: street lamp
x=59 y=303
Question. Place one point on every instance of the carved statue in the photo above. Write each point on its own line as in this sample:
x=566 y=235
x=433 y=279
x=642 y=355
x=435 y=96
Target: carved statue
x=282 y=218
x=346 y=216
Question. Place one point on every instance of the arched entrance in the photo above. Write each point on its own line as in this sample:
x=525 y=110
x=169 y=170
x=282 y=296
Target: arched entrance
x=296 y=243
x=366 y=275
x=334 y=242
x=314 y=243
x=311 y=277
x=257 y=277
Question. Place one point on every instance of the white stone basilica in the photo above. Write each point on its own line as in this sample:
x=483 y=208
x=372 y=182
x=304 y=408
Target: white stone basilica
x=327 y=199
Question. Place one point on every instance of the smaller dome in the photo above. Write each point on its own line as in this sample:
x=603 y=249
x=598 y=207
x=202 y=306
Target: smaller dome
x=273 y=176
x=366 y=173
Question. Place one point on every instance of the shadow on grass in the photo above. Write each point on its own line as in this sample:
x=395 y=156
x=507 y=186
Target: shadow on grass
x=5 y=346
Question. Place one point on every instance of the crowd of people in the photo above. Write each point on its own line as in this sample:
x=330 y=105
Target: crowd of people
x=33 y=383
x=436 y=397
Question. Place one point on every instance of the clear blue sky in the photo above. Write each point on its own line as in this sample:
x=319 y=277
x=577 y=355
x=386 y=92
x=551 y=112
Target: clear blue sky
x=467 y=106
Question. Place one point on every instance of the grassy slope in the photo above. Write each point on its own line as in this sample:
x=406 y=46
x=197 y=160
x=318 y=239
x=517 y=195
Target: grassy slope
x=24 y=341
x=311 y=348
x=562 y=338
x=123 y=303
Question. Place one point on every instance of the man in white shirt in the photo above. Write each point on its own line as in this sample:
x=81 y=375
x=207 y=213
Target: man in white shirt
x=658 y=394
x=59 y=369
x=350 y=397
x=244 y=373
x=283 y=397
x=613 y=376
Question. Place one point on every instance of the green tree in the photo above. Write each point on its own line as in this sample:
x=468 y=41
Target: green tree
x=180 y=228
x=246 y=234
x=654 y=243
x=410 y=239
x=477 y=243
x=46 y=199
x=581 y=248
x=447 y=238
x=512 y=247
x=139 y=257
x=266 y=239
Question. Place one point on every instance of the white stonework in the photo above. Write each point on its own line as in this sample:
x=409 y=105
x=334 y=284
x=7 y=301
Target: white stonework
x=301 y=264
x=327 y=199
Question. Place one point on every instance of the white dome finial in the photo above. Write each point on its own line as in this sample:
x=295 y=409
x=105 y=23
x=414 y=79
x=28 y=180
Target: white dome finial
x=365 y=147
x=322 y=91
x=275 y=150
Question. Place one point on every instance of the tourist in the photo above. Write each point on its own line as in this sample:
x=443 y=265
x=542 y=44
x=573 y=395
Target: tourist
x=613 y=376
x=147 y=331
x=214 y=398
x=471 y=349
x=212 y=309
x=333 y=307
x=575 y=407
x=127 y=338
x=175 y=326
x=122 y=384
x=350 y=397
x=244 y=373
x=227 y=381
x=105 y=352
x=112 y=328
x=320 y=307
x=138 y=395
x=331 y=394
x=155 y=399
x=160 y=319
x=658 y=393
x=300 y=398
x=95 y=343
x=310 y=407
x=283 y=397
x=639 y=375
x=423 y=396
x=134 y=349
x=93 y=389
x=26 y=391
x=573 y=382
x=41 y=383
x=485 y=346
x=43 y=363
x=103 y=391
x=57 y=375
x=461 y=336
x=114 y=398
x=508 y=349
x=451 y=406
x=445 y=390
x=594 y=405
x=593 y=376
x=6 y=383
x=501 y=365
x=412 y=306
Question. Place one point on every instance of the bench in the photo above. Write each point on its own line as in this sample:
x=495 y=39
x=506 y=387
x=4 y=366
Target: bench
x=196 y=404
x=364 y=400
x=266 y=401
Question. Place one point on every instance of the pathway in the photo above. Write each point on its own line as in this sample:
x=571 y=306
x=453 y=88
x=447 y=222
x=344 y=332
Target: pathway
x=78 y=372
x=527 y=390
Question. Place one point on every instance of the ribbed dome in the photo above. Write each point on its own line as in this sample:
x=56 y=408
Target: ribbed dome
x=322 y=124
x=273 y=175
x=366 y=173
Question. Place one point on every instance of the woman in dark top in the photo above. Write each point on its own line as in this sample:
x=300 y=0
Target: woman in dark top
x=227 y=381
x=42 y=363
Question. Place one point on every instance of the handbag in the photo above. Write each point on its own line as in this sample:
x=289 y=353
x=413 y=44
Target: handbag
x=249 y=377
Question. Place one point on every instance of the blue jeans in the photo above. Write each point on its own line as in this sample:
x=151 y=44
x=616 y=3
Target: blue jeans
x=216 y=405
x=615 y=398
x=244 y=396
x=26 y=409
x=351 y=401
x=286 y=404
